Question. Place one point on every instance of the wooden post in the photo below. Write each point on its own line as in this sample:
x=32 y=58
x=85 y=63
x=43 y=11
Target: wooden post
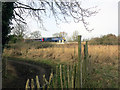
x=86 y=50
x=56 y=78
x=61 y=77
x=64 y=76
x=37 y=83
x=74 y=75
x=77 y=76
x=85 y=62
x=68 y=77
x=85 y=55
x=79 y=63
x=32 y=84
x=79 y=48
x=50 y=79
x=27 y=85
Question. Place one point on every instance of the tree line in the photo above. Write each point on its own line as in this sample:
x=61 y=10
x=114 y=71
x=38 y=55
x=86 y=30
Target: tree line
x=109 y=39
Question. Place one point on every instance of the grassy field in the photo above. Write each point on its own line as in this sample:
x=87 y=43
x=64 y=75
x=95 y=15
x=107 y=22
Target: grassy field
x=67 y=53
x=103 y=59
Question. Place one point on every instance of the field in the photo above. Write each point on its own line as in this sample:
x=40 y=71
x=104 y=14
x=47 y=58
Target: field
x=103 y=59
x=104 y=54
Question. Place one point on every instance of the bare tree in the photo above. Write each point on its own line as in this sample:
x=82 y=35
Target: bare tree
x=61 y=34
x=75 y=35
x=69 y=39
x=19 y=30
x=56 y=34
x=60 y=9
x=35 y=35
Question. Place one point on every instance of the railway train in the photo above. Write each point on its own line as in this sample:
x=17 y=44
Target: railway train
x=50 y=39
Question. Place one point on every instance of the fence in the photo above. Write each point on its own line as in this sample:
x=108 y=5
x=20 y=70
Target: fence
x=66 y=76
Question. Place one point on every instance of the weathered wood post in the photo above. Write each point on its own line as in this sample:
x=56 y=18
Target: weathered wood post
x=85 y=62
x=32 y=84
x=64 y=76
x=37 y=83
x=79 y=48
x=61 y=77
x=74 y=75
x=86 y=50
x=27 y=87
x=56 y=77
x=68 y=76
x=85 y=55
x=79 y=63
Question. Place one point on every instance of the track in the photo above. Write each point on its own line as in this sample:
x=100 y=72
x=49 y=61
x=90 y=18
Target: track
x=23 y=71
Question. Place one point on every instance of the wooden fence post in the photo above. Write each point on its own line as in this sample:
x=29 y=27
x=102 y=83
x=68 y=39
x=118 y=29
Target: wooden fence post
x=86 y=50
x=68 y=76
x=64 y=76
x=32 y=84
x=79 y=48
x=56 y=77
x=61 y=77
x=27 y=85
x=37 y=83
x=79 y=63
x=85 y=62
x=74 y=75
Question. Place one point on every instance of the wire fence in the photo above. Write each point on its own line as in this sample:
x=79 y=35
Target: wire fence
x=66 y=76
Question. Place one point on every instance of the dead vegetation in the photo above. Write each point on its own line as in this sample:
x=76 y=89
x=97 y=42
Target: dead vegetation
x=67 y=53
x=103 y=59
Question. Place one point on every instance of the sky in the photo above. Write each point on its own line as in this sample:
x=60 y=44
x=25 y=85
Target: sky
x=105 y=22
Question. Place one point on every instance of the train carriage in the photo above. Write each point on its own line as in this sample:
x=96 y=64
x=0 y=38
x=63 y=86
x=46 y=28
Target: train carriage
x=51 y=39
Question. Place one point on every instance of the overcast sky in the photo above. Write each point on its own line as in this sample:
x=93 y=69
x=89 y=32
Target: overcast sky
x=105 y=22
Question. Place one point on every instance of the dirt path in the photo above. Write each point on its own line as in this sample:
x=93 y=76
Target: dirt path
x=19 y=71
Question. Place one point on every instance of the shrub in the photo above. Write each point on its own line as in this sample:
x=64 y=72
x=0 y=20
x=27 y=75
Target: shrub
x=109 y=39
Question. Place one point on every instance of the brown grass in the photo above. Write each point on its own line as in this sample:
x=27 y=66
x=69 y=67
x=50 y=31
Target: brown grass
x=68 y=53
x=103 y=58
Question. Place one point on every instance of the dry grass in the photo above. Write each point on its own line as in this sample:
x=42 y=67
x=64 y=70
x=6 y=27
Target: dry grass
x=104 y=59
x=104 y=53
x=98 y=53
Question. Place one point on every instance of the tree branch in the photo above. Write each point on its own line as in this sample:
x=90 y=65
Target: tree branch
x=18 y=15
x=29 y=8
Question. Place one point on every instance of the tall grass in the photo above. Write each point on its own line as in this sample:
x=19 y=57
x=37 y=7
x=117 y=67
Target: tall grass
x=98 y=53
x=66 y=76
x=102 y=58
x=69 y=76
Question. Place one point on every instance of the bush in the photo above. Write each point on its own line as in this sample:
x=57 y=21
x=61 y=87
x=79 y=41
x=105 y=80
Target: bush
x=109 y=39
x=28 y=45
